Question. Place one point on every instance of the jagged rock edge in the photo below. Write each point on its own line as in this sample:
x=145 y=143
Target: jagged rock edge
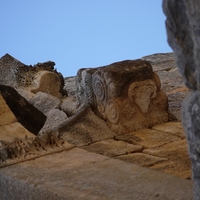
x=28 y=148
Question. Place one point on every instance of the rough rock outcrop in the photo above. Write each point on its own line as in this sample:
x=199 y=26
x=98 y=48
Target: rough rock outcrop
x=183 y=30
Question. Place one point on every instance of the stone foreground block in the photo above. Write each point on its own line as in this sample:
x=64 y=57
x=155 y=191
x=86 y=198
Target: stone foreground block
x=78 y=174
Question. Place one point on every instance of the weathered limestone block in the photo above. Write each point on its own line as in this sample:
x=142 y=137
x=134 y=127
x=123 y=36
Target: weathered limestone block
x=84 y=128
x=127 y=95
x=45 y=102
x=55 y=117
x=69 y=105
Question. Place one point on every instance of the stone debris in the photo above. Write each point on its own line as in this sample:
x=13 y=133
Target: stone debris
x=45 y=102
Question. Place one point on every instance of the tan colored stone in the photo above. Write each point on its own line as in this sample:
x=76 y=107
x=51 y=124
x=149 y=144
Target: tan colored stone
x=55 y=117
x=180 y=167
x=173 y=150
x=85 y=128
x=113 y=148
x=69 y=105
x=6 y=116
x=48 y=82
x=141 y=159
x=126 y=94
x=10 y=131
x=148 y=138
x=172 y=128
x=78 y=174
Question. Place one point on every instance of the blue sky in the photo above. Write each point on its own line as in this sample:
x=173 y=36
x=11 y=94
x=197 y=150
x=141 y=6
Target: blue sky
x=81 y=33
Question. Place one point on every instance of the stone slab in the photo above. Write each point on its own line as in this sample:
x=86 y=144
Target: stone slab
x=148 y=138
x=180 y=167
x=142 y=159
x=172 y=128
x=78 y=174
x=173 y=150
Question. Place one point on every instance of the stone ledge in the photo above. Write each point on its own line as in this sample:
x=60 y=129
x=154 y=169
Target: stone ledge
x=78 y=174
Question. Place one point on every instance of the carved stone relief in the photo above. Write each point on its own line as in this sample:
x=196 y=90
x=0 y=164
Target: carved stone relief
x=127 y=95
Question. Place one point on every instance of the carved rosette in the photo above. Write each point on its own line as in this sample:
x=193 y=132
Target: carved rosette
x=99 y=87
x=100 y=92
x=112 y=112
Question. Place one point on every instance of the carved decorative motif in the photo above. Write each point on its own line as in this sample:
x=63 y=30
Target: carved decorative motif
x=126 y=95
x=99 y=87
x=141 y=93
x=28 y=148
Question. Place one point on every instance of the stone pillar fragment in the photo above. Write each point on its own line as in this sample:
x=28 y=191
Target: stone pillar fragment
x=183 y=30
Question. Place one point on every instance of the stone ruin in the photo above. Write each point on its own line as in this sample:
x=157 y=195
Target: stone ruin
x=107 y=101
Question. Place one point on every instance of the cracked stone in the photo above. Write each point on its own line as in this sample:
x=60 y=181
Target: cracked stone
x=141 y=159
x=179 y=167
x=171 y=127
x=173 y=150
x=148 y=138
x=113 y=148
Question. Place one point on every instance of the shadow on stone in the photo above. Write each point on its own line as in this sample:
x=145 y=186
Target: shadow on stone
x=29 y=116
